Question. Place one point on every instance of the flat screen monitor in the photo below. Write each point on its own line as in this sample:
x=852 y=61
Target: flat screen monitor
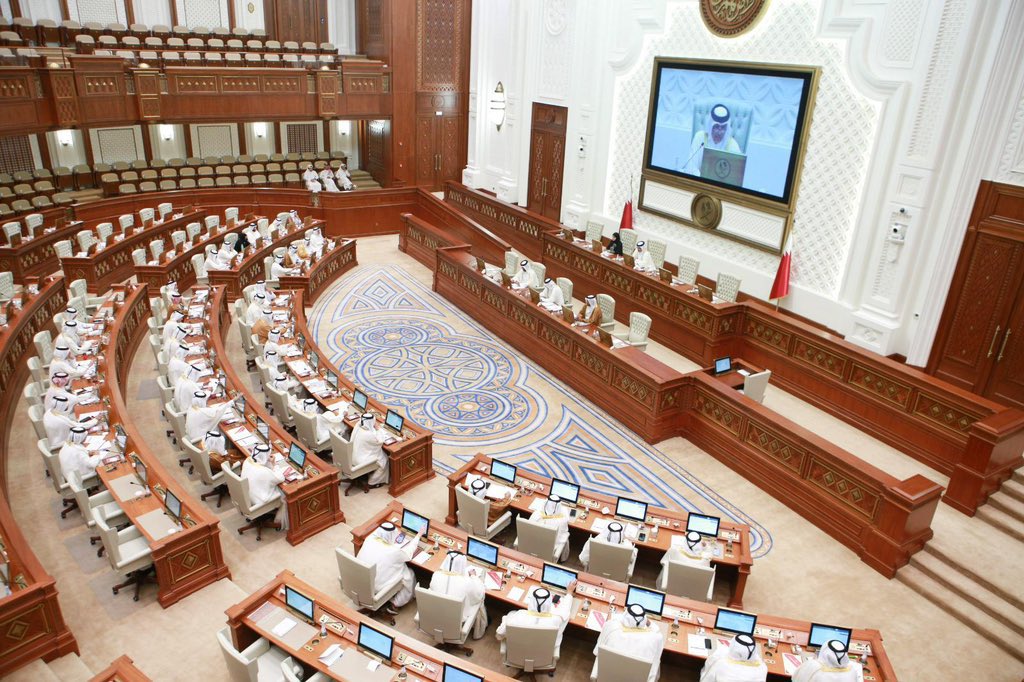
x=723 y=365
x=414 y=523
x=633 y=510
x=173 y=505
x=375 y=641
x=556 y=576
x=314 y=360
x=141 y=472
x=820 y=634
x=482 y=551
x=705 y=525
x=240 y=401
x=332 y=379
x=453 y=674
x=503 y=472
x=652 y=601
x=359 y=399
x=263 y=428
x=121 y=438
x=569 y=492
x=301 y=340
x=299 y=603
x=297 y=456
x=712 y=125
x=394 y=421
x=736 y=622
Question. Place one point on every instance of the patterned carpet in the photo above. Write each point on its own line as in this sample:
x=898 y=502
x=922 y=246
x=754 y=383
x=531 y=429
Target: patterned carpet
x=412 y=349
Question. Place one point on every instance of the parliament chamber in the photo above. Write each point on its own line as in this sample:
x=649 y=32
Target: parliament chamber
x=465 y=340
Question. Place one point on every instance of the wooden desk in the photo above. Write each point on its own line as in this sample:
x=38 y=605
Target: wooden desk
x=638 y=390
x=324 y=271
x=176 y=265
x=249 y=619
x=734 y=378
x=114 y=263
x=733 y=558
x=314 y=503
x=121 y=670
x=599 y=591
x=411 y=461
x=37 y=257
x=31 y=615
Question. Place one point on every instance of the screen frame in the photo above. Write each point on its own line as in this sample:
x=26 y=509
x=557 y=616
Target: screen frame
x=260 y=422
x=631 y=518
x=515 y=471
x=629 y=588
x=288 y=589
x=575 y=500
x=718 y=616
x=366 y=399
x=169 y=495
x=449 y=666
x=728 y=368
x=810 y=634
x=703 y=516
x=144 y=475
x=359 y=641
x=544 y=570
x=497 y=551
x=401 y=421
x=291 y=449
x=426 y=530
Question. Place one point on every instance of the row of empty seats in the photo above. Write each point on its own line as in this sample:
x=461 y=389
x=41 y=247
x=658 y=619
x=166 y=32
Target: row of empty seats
x=87 y=43
x=267 y=60
x=49 y=32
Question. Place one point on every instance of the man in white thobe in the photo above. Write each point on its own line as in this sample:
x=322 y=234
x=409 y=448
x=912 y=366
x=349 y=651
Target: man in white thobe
x=59 y=421
x=227 y=254
x=613 y=534
x=316 y=242
x=366 y=447
x=176 y=365
x=70 y=337
x=344 y=178
x=554 y=515
x=717 y=134
x=285 y=383
x=642 y=259
x=833 y=664
x=327 y=178
x=58 y=387
x=187 y=387
x=540 y=613
x=457 y=579
x=310 y=178
x=201 y=417
x=273 y=345
x=524 y=277
x=738 y=662
x=179 y=333
x=263 y=481
x=552 y=298
x=64 y=362
x=255 y=309
x=215 y=443
x=633 y=634
x=383 y=551
x=278 y=268
x=75 y=458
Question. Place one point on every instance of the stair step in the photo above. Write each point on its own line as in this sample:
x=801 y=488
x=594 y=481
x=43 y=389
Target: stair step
x=1010 y=525
x=1013 y=488
x=972 y=588
x=1008 y=505
x=950 y=602
x=70 y=668
x=1018 y=476
x=36 y=671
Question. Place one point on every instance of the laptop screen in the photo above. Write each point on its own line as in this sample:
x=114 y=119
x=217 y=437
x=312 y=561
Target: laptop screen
x=297 y=456
x=413 y=522
x=556 y=576
x=173 y=505
x=569 y=492
x=631 y=509
x=705 y=525
x=723 y=365
x=820 y=634
x=652 y=601
x=735 y=621
x=482 y=551
x=299 y=603
x=359 y=399
x=503 y=472
x=394 y=421
x=375 y=641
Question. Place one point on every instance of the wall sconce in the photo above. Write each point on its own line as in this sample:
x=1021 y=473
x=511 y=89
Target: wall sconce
x=259 y=129
x=65 y=138
x=166 y=132
x=497 y=106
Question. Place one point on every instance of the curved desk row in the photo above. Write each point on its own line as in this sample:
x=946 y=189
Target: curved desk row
x=681 y=617
x=976 y=442
x=31 y=623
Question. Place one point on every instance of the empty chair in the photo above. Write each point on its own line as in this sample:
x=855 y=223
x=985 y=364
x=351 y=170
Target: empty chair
x=688 y=268
x=357 y=579
x=639 y=328
x=43 y=342
x=531 y=649
x=139 y=256
x=657 y=251
x=278 y=399
x=199 y=267
x=440 y=617
x=687 y=580
x=258 y=516
x=12 y=231
x=235 y=44
x=607 y=305
x=156 y=247
x=127 y=551
x=615 y=666
x=755 y=385
x=104 y=231
x=537 y=540
x=128 y=188
x=565 y=284
x=472 y=515
x=86 y=239
x=259 y=661
x=166 y=185
x=193 y=230
x=727 y=288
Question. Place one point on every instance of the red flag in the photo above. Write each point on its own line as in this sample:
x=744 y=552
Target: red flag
x=780 y=287
x=627 y=216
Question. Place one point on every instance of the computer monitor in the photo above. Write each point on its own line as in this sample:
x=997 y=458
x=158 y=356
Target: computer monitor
x=359 y=399
x=141 y=472
x=121 y=438
x=375 y=641
x=483 y=552
x=394 y=421
x=820 y=634
x=633 y=510
x=414 y=523
x=705 y=525
x=453 y=674
x=241 y=404
x=301 y=340
x=735 y=622
x=556 y=576
x=263 y=428
x=723 y=365
x=569 y=492
x=503 y=472
x=652 y=601
x=297 y=456
x=332 y=379
x=314 y=360
x=299 y=603
x=173 y=505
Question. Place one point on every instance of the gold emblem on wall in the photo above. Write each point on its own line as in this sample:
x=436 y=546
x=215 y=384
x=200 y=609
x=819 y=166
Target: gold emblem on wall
x=730 y=18
x=706 y=211
x=251 y=7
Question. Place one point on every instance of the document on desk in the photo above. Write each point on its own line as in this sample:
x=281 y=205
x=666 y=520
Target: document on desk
x=95 y=442
x=492 y=580
x=421 y=558
x=596 y=619
x=318 y=387
x=791 y=662
x=537 y=504
x=331 y=655
x=284 y=627
x=301 y=368
x=238 y=433
x=699 y=645
x=516 y=594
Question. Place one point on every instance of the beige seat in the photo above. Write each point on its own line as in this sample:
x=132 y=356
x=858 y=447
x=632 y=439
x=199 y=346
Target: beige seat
x=537 y=540
x=755 y=385
x=440 y=617
x=127 y=551
x=342 y=458
x=607 y=304
x=201 y=463
x=611 y=560
x=639 y=328
x=688 y=269
x=44 y=347
x=727 y=288
x=531 y=649
x=305 y=429
x=288 y=668
x=628 y=239
x=259 y=662
x=594 y=231
x=472 y=513
x=279 y=401
x=615 y=666
x=357 y=579
x=259 y=517
x=687 y=580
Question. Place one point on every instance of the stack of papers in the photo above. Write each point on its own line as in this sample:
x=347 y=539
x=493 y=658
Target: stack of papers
x=331 y=655
x=516 y=594
x=301 y=368
x=492 y=580
x=318 y=386
x=284 y=627
x=95 y=442
x=596 y=620
x=293 y=352
x=421 y=558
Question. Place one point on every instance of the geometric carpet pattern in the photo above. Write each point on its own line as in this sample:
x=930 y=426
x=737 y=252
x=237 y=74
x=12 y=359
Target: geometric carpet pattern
x=415 y=351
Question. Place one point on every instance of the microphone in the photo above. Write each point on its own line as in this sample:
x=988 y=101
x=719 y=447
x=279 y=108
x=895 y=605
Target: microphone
x=700 y=148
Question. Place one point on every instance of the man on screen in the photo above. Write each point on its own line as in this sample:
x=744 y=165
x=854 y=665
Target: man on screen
x=716 y=135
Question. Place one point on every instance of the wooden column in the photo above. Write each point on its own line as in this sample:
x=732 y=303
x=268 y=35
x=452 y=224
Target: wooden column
x=87 y=145
x=147 y=141
x=278 y=139
x=243 y=145
x=231 y=15
x=129 y=11
x=187 y=128
x=44 y=151
x=327 y=135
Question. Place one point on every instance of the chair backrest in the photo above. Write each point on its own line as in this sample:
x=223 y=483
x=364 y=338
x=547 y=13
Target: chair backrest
x=231 y=239
x=657 y=251
x=688 y=268
x=126 y=221
x=211 y=221
x=615 y=666
x=156 y=247
x=472 y=512
x=193 y=230
x=628 y=239
x=689 y=580
x=536 y=539
x=511 y=262
x=63 y=248
x=44 y=346
x=341 y=453
x=231 y=213
x=305 y=426
x=139 y=256
x=176 y=419
x=200 y=460
x=530 y=648
x=755 y=385
x=279 y=400
x=440 y=615
x=727 y=288
x=639 y=327
x=610 y=560
x=238 y=489
x=178 y=237
x=607 y=304
x=357 y=577
x=240 y=668
x=565 y=284
x=199 y=265
x=539 y=274
x=33 y=393
x=147 y=214
x=594 y=231
x=104 y=230
x=35 y=367
x=52 y=463
x=35 y=415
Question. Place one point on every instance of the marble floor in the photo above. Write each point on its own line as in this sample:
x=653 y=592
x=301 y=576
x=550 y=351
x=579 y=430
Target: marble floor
x=806 y=574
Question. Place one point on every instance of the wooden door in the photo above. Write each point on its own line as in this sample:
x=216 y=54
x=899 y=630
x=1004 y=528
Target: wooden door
x=438 y=150
x=298 y=20
x=426 y=152
x=547 y=159
x=979 y=343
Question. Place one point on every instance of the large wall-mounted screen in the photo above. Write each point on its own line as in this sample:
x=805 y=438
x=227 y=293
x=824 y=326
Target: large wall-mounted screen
x=730 y=125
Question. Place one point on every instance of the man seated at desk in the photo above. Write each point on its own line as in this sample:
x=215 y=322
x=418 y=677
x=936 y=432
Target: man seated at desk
x=613 y=534
x=176 y=365
x=367 y=443
x=833 y=664
x=524 y=277
x=614 y=247
x=186 y=387
x=74 y=458
x=283 y=382
x=201 y=417
x=692 y=553
x=254 y=311
x=738 y=662
x=262 y=479
x=633 y=634
x=214 y=443
x=590 y=312
x=278 y=269
x=250 y=236
x=70 y=337
x=291 y=257
x=64 y=362
x=58 y=387
x=58 y=422
x=382 y=550
x=540 y=613
x=642 y=259
x=315 y=242
x=326 y=421
x=215 y=262
x=554 y=515
x=457 y=579
x=551 y=298
x=497 y=508
x=261 y=328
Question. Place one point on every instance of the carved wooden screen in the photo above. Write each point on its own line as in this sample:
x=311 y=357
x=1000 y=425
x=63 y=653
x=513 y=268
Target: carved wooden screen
x=16 y=154
x=302 y=138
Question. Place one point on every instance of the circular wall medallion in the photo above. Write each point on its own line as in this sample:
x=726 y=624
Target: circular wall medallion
x=706 y=211
x=730 y=18
x=251 y=7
